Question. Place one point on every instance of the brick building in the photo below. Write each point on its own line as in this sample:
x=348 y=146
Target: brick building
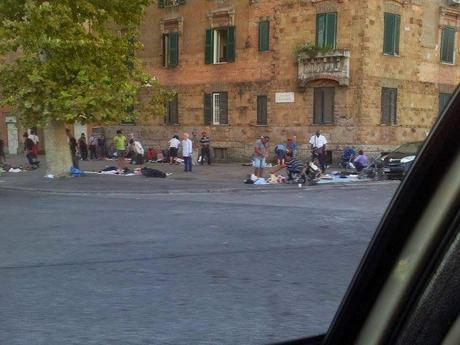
x=374 y=75
x=383 y=71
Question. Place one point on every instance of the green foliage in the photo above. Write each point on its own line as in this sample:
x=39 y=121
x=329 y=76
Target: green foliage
x=73 y=60
x=311 y=50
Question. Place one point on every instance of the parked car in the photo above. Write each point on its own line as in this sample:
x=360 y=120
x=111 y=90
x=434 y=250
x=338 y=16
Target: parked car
x=397 y=163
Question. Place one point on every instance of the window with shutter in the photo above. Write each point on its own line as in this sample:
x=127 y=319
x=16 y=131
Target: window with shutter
x=389 y=106
x=172 y=113
x=323 y=105
x=170 y=47
x=264 y=36
x=262 y=110
x=173 y=58
x=216 y=108
x=447 y=45
x=391 y=33
x=443 y=100
x=326 y=30
x=220 y=45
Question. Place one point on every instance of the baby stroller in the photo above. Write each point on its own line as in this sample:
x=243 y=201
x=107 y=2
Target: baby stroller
x=309 y=174
x=347 y=158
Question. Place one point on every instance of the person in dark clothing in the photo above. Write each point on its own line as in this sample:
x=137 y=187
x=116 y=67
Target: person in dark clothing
x=29 y=151
x=101 y=149
x=93 y=141
x=73 y=148
x=2 y=152
x=205 y=152
x=83 y=147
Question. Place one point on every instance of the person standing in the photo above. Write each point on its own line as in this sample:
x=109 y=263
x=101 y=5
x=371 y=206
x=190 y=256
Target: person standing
x=83 y=147
x=73 y=148
x=34 y=137
x=187 y=152
x=205 y=150
x=119 y=141
x=260 y=155
x=93 y=147
x=138 y=152
x=318 y=149
x=291 y=146
x=29 y=151
x=102 y=151
x=173 y=148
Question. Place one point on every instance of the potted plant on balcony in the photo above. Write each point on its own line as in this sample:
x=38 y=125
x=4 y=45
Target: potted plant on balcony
x=311 y=50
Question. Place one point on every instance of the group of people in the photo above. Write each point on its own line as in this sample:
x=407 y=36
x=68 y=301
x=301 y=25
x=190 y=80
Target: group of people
x=286 y=155
x=80 y=148
x=188 y=150
x=95 y=146
x=124 y=146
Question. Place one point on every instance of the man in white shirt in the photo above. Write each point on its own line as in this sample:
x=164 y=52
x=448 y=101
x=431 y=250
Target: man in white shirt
x=187 y=150
x=138 y=150
x=318 y=148
x=173 y=148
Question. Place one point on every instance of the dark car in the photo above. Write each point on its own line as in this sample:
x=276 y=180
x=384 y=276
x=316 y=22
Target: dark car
x=397 y=163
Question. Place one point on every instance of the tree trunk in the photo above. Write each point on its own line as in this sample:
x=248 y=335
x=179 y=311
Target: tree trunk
x=58 y=159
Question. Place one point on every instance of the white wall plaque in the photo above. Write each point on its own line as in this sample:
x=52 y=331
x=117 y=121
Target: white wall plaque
x=284 y=97
x=10 y=119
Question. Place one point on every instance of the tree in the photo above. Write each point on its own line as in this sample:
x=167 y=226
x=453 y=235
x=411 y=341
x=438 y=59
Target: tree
x=73 y=60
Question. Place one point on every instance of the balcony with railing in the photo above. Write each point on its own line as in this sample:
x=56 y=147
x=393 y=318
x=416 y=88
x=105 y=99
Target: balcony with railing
x=330 y=65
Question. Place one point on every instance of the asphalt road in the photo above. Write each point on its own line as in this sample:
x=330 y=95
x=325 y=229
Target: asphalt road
x=235 y=268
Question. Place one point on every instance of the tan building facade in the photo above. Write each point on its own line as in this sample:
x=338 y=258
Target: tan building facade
x=369 y=73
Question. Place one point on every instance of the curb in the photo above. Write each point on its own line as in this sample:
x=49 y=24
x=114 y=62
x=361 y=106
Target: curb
x=263 y=189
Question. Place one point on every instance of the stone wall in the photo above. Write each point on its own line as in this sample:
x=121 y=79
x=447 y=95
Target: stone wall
x=416 y=72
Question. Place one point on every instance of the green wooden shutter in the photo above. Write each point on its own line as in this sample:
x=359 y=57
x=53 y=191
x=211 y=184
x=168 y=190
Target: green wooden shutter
x=261 y=110
x=161 y=3
x=264 y=36
x=330 y=30
x=231 y=44
x=318 y=106
x=388 y=35
x=389 y=106
x=320 y=29
x=209 y=47
x=397 y=30
x=207 y=108
x=164 y=50
x=447 y=45
x=443 y=101
x=223 y=108
x=173 y=49
x=173 y=111
x=328 y=104
x=392 y=24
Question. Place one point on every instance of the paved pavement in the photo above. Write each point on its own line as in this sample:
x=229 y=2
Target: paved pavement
x=183 y=269
x=214 y=178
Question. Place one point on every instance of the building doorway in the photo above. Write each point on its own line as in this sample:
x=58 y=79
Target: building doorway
x=13 y=140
